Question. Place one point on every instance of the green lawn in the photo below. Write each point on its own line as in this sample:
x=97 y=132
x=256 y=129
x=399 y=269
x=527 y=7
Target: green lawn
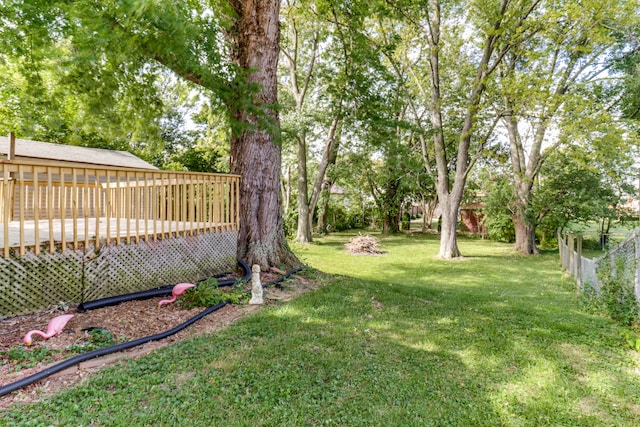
x=397 y=340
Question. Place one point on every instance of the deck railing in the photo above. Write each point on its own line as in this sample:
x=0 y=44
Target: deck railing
x=46 y=206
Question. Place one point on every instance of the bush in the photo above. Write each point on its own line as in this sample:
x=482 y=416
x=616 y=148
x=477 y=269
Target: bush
x=406 y=220
x=98 y=338
x=208 y=294
x=500 y=228
x=617 y=291
x=26 y=357
x=341 y=220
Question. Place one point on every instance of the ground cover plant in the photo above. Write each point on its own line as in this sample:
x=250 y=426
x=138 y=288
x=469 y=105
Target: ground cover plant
x=405 y=339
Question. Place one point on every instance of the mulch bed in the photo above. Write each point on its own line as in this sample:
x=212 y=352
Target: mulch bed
x=124 y=322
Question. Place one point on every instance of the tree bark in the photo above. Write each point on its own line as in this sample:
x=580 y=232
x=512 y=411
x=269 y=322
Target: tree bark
x=303 y=235
x=428 y=208
x=448 y=204
x=286 y=192
x=389 y=207
x=255 y=150
x=299 y=91
x=448 y=227
x=450 y=194
x=525 y=234
x=329 y=157
x=524 y=172
x=323 y=209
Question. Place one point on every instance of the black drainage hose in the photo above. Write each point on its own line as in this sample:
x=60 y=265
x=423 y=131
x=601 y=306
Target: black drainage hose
x=6 y=389
x=152 y=293
x=104 y=351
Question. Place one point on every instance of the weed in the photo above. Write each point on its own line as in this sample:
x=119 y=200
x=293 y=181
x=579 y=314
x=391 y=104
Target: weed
x=208 y=293
x=617 y=291
x=98 y=338
x=25 y=357
x=590 y=300
x=631 y=339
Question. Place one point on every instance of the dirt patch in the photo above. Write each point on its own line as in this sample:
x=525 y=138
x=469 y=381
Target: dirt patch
x=124 y=322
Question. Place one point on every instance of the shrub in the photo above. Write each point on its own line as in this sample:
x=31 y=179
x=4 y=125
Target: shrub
x=26 y=357
x=500 y=228
x=208 y=293
x=98 y=338
x=617 y=291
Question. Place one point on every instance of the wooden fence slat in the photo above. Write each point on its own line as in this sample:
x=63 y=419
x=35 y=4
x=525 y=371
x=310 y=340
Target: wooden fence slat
x=74 y=207
x=236 y=194
x=183 y=213
x=106 y=205
x=23 y=196
x=36 y=210
x=6 y=200
x=118 y=213
x=50 y=213
x=136 y=205
x=85 y=207
x=192 y=206
x=62 y=198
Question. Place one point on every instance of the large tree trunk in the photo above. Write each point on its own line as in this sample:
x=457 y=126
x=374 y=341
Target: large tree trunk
x=450 y=196
x=303 y=235
x=286 y=192
x=524 y=226
x=428 y=209
x=523 y=175
x=391 y=222
x=525 y=235
x=448 y=223
x=526 y=170
x=307 y=205
x=329 y=157
x=448 y=233
x=388 y=205
x=255 y=152
x=323 y=207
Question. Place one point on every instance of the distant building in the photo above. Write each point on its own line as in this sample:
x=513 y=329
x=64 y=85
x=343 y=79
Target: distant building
x=472 y=217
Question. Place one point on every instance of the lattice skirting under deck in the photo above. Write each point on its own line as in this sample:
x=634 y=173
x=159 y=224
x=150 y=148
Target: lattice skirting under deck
x=32 y=283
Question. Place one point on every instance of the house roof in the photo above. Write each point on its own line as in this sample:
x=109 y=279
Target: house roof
x=74 y=154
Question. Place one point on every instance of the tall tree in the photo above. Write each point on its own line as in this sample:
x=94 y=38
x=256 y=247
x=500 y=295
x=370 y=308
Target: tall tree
x=557 y=78
x=231 y=51
x=303 y=35
x=256 y=150
x=497 y=27
x=326 y=54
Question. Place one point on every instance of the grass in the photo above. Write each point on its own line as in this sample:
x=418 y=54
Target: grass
x=397 y=340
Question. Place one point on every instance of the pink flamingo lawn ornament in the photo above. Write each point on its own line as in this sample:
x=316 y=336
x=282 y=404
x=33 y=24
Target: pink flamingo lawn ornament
x=177 y=290
x=55 y=326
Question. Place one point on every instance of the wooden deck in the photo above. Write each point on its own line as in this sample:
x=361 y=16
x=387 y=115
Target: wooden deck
x=76 y=232
x=44 y=207
x=86 y=232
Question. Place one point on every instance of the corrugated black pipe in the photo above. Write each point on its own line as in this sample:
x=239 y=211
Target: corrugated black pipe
x=104 y=351
x=152 y=293
x=6 y=389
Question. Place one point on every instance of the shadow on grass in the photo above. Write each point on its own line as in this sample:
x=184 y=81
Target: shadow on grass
x=408 y=343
